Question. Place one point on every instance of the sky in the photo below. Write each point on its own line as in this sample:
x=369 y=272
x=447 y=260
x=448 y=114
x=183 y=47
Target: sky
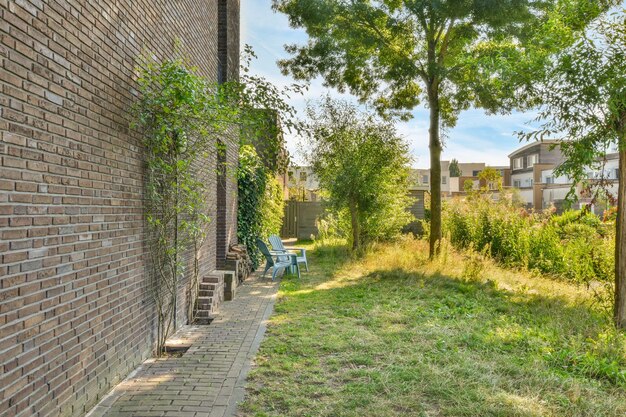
x=477 y=137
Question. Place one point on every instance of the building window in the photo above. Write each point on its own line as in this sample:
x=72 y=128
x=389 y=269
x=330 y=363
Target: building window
x=302 y=176
x=531 y=182
x=549 y=180
x=517 y=184
x=475 y=173
x=617 y=173
x=532 y=160
x=517 y=163
x=444 y=179
x=290 y=175
x=425 y=179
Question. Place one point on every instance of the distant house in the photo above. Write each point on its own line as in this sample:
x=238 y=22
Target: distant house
x=454 y=186
x=533 y=174
x=527 y=164
x=302 y=183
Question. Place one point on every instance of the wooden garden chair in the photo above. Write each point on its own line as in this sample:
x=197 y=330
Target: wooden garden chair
x=277 y=261
x=278 y=247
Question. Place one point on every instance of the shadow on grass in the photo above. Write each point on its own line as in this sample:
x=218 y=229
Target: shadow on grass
x=398 y=342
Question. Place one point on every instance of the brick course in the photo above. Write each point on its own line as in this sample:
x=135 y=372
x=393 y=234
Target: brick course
x=75 y=314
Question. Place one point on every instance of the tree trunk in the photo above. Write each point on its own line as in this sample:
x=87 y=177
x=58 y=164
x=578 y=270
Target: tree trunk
x=619 y=313
x=435 y=170
x=356 y=232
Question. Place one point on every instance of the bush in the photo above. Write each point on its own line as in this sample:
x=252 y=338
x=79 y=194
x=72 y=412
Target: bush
x=576 y=245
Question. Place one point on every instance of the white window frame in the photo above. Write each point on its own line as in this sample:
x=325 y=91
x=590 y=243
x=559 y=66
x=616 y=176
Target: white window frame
x=517 y=163
x=531 y=160
x=444 y=179
x=517 y=183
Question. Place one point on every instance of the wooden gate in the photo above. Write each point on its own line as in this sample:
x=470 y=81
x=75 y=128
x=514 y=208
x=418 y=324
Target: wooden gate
x=288 y=229
x=300 y=219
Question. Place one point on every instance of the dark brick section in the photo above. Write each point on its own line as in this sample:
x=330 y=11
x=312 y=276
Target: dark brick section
x=75 y=313
x=228 y=35
x=221 y=232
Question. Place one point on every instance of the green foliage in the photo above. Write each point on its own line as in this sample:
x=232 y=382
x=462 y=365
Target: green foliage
x=392 y=52
x=260 y=207
x=575 y=245
x=454 y=169
x=583 y=98
x=362 y=165
x=449 y=54
x=179 y=115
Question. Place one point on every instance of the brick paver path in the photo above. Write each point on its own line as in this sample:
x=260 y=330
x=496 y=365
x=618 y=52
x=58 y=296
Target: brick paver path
x=208 y=380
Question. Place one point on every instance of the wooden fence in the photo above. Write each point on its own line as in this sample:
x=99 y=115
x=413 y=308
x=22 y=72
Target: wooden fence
x=300 y=216
x=300 y=219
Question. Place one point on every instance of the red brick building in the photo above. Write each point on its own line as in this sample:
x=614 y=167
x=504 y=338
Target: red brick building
x=75 y=314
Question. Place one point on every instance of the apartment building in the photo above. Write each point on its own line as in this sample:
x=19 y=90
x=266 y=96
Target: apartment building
x=455 y=185
x=533 y=173
x=556 y=188
x=527 y=164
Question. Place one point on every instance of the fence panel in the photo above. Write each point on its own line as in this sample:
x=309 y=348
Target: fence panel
x=300 y=217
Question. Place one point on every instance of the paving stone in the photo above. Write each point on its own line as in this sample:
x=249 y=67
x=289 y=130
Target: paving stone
x=208 y=380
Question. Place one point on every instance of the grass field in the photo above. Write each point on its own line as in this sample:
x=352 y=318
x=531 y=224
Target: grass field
x=392 y=334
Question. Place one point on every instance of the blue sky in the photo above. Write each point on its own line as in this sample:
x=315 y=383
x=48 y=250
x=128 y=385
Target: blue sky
x=476 y=138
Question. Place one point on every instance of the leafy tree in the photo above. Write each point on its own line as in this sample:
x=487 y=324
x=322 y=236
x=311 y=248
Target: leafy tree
x=455 y=171
x=363 y=166
x=468 y=186
x=491 y=178
x=450 y=54
x=585 y=100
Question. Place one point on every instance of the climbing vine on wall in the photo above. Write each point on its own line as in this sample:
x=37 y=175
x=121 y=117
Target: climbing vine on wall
x=179 y=114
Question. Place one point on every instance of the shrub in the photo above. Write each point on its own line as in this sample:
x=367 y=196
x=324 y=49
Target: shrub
x=576 y=245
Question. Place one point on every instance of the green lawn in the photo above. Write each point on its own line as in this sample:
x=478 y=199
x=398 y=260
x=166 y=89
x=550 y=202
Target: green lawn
x=392 y=334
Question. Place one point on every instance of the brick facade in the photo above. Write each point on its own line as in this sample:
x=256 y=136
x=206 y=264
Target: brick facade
x=75 y=313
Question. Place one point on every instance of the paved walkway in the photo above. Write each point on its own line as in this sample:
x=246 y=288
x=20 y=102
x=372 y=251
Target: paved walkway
x=208 y=380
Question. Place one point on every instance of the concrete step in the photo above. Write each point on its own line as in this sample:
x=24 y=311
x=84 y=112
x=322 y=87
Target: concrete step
x=206 y=293
x=212 y=279
x=208 y=287
x=204 y=321
x=203 y=314
x=204 y=303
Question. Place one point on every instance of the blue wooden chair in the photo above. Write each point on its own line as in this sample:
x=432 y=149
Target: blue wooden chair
x=278 y=247
x=276 y=261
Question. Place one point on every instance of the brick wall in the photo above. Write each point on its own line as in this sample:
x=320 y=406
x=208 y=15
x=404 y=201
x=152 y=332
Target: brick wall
x=75 y=314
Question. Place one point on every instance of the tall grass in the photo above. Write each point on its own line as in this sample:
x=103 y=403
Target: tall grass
x=576 y=245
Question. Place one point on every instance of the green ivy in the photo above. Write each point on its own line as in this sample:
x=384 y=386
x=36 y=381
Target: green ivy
x=261 y=207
